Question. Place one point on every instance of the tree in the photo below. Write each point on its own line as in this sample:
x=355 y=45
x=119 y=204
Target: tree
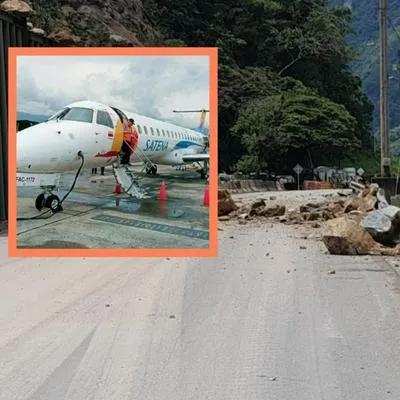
x=279 y=129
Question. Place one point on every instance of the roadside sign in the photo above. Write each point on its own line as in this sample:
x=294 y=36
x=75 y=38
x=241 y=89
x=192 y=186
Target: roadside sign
x=360 y=171
x=298 y=169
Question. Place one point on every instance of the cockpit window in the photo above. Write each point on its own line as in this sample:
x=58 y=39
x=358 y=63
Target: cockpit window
x=78 y=114
x=103 y=118
x=58 y=114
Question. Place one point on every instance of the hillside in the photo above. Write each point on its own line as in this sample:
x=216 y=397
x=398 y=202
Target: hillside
x=365 y=40
x=31 y=117
x=97 y=22
x=286 y=92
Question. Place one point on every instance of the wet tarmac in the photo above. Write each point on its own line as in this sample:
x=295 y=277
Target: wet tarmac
x=94 y=216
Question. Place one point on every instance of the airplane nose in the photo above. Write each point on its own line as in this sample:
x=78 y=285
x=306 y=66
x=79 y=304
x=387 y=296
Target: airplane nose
x=32 y=151
x=49 y=147
x=24 y=158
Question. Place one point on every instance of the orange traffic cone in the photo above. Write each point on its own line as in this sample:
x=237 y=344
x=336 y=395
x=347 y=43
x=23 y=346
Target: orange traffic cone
x=163 y=191
x=206 y=198
x=118 y=189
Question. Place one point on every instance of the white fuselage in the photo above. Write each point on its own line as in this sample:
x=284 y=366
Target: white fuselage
x=164 y=143
x=95 y=130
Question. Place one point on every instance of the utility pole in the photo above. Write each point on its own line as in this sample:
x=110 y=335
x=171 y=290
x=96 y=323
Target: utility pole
x=384 y=114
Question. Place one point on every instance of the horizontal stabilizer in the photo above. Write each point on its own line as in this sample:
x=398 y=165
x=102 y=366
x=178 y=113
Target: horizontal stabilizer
x=195 y=157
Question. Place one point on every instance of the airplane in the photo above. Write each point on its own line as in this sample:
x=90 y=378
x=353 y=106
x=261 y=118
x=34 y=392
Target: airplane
x=89 y=134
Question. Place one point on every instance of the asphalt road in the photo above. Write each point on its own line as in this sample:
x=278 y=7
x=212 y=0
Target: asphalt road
x=266 y=320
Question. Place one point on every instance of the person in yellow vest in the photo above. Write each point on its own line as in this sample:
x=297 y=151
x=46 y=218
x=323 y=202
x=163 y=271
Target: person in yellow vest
x=126 y=149
x=134 y=136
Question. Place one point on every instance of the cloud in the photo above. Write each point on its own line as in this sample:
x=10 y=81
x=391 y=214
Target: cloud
x=151 y=86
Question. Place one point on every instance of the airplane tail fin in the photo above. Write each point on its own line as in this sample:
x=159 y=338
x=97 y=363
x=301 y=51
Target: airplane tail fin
x=201 y=128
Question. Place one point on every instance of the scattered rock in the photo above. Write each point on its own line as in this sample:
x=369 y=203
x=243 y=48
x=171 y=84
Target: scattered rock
x=345 y=236
x=368 y=203
x=353 y=203
x=380 y=195
x=303 y=247
x=356 y=212
x=17 y=7
x=224 y=218
x=331 y=272
x=276 y=211
x=38 y=31
x=272 y=198
x=225 y=203
x=383 y=224
x=316 y=225
x=64 y=38
x=172 y=316
x=117 y=40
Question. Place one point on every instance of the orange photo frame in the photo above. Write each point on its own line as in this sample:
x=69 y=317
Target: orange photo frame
x=14 y=52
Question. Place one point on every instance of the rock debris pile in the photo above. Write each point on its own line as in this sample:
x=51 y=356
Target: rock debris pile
x=360 y=223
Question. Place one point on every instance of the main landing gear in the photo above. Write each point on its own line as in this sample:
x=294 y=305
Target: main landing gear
x=151 y=170
x=48 y=200
x=203 y=171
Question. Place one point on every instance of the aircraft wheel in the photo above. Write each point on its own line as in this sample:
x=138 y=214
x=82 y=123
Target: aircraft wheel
x=53 y=202
x=39 y=202
x=154 y=170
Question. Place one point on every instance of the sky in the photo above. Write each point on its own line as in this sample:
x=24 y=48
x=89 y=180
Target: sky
x=148 y=85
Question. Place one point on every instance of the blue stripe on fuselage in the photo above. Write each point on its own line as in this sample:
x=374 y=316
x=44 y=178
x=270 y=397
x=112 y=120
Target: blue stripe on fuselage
x=184 y=144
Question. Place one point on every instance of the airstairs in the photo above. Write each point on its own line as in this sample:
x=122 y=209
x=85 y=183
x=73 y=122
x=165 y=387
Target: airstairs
x=128 y=179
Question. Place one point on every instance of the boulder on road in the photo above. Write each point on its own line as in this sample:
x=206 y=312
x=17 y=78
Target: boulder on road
x=345 y=236
x=275 y=211
x=257 y=207
x=225 y=203
x=383 y=224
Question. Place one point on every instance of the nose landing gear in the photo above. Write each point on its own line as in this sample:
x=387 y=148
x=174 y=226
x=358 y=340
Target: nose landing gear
x=48 y=200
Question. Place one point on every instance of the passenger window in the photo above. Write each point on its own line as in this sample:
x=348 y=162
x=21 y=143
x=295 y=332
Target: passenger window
x=139 y=129
x=103 y=118
x=158 y=132
x=145 y=129
x=163 y=133
x=152 y=131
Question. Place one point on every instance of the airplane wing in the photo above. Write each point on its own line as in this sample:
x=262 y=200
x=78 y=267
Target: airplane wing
x=195 y=157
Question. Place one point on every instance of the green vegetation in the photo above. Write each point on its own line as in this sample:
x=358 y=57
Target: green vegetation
x=286 y=92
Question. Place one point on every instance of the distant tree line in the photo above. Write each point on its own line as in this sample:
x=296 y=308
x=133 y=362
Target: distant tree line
x=286 y=92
